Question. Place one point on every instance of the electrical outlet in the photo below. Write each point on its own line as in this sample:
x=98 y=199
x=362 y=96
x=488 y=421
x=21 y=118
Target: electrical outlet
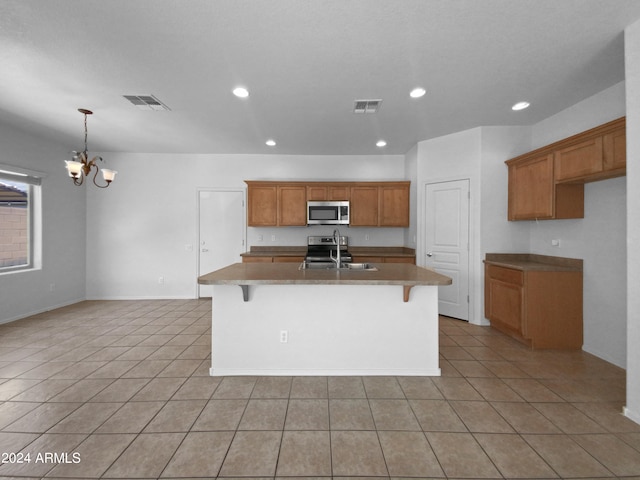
x=273 y=238
x=161 y=280
x=284 y=336
x=52 y=287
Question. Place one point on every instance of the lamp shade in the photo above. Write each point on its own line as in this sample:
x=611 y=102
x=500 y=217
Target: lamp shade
x=108 y=175
x=74 y=168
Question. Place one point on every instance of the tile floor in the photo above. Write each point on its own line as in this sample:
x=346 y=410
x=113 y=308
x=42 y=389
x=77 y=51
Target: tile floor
x=120 y=389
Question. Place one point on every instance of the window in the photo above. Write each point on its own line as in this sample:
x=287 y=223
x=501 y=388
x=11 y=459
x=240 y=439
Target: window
x=19 y=220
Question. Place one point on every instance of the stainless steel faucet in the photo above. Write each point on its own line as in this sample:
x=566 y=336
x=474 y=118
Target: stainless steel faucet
x=336 y=240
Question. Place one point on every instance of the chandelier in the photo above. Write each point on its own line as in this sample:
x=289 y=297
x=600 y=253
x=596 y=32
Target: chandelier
x=80 y=166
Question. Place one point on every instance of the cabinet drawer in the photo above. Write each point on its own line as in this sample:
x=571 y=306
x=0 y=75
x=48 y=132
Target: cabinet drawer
x=508 y=275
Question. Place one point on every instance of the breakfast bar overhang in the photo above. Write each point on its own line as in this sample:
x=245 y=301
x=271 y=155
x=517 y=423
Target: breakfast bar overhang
x=290 y=321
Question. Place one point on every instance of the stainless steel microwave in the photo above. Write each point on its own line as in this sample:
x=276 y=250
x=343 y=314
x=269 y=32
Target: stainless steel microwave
x=327 y=213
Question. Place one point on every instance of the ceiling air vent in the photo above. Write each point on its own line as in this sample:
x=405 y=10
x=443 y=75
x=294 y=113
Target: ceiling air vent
x=366 y=106
x=146 y=102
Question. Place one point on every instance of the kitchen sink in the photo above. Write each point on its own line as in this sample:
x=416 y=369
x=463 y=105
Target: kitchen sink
x=332 y=266
x=361 y=266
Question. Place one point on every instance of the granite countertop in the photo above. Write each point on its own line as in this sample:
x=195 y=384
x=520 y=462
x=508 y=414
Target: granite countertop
x=290 y=274
x=532 y=261
x=292 y=251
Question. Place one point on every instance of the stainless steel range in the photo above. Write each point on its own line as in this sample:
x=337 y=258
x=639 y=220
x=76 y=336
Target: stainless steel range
x=323 y=250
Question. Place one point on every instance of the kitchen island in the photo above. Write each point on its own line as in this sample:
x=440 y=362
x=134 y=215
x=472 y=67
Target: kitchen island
x=289 y=321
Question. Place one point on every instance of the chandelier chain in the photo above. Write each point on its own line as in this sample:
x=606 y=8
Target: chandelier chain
x=86 y=150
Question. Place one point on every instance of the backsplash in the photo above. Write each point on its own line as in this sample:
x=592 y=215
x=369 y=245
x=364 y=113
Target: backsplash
x=297 y=236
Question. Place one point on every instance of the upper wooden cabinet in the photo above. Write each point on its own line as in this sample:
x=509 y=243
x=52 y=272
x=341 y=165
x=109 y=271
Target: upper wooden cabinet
x=531 y=188
x=548 y=183
x=292 y=205
x=579 y=160
x=328 y=192
x=373 y=204
x=363 y=209
x=262 y=208
x=394 y=205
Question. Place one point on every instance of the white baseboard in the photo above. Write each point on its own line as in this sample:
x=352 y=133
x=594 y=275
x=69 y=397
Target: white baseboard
x=634 y=416
x=138 y=297
x=41 y=310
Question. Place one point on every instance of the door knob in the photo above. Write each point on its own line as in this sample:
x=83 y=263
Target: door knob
x=429 y=254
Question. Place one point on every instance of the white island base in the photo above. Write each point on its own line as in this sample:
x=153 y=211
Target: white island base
x=329 y=330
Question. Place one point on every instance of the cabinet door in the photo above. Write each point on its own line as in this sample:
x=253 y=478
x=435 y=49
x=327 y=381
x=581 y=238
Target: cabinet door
x=315 y=192
x=364 y=206
x=262 y=209
x=531 y=189
x=615 y=150
x=338 y=192
x=394 y=206
x=292 y=205
x=504 y=305
x=578 y=161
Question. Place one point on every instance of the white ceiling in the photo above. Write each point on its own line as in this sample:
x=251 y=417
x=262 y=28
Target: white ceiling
x=304 y=63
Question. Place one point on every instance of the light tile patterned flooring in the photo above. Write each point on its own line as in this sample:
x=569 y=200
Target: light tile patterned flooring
x=124 y=386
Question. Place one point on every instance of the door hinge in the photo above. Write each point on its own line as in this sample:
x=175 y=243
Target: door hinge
x=467 y=298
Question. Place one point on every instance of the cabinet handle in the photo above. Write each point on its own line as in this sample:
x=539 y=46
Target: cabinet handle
x=429 y=254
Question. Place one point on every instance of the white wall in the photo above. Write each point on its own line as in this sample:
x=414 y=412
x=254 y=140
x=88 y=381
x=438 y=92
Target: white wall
x=598 y=238
x=632 y=62
x=497 y=234
x=453 y=157
x=477 y=154
x=139 y=229
x=411 y=173
x=63 y=256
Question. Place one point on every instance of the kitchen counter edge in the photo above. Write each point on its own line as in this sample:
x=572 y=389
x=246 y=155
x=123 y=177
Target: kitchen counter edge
x=532 y=261
x=290 y=274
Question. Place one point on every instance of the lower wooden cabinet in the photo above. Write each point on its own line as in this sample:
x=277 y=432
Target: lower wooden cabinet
x=541 y=308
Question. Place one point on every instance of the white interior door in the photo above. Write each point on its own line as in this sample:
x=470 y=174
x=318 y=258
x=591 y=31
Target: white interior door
x=221 y=231
x=447 y=243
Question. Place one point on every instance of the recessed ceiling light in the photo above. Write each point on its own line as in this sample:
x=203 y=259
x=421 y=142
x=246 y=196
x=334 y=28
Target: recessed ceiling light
x=520 y=106
x=381 y=143
x=271 y=143
x=241 y=92
x=417 y=92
